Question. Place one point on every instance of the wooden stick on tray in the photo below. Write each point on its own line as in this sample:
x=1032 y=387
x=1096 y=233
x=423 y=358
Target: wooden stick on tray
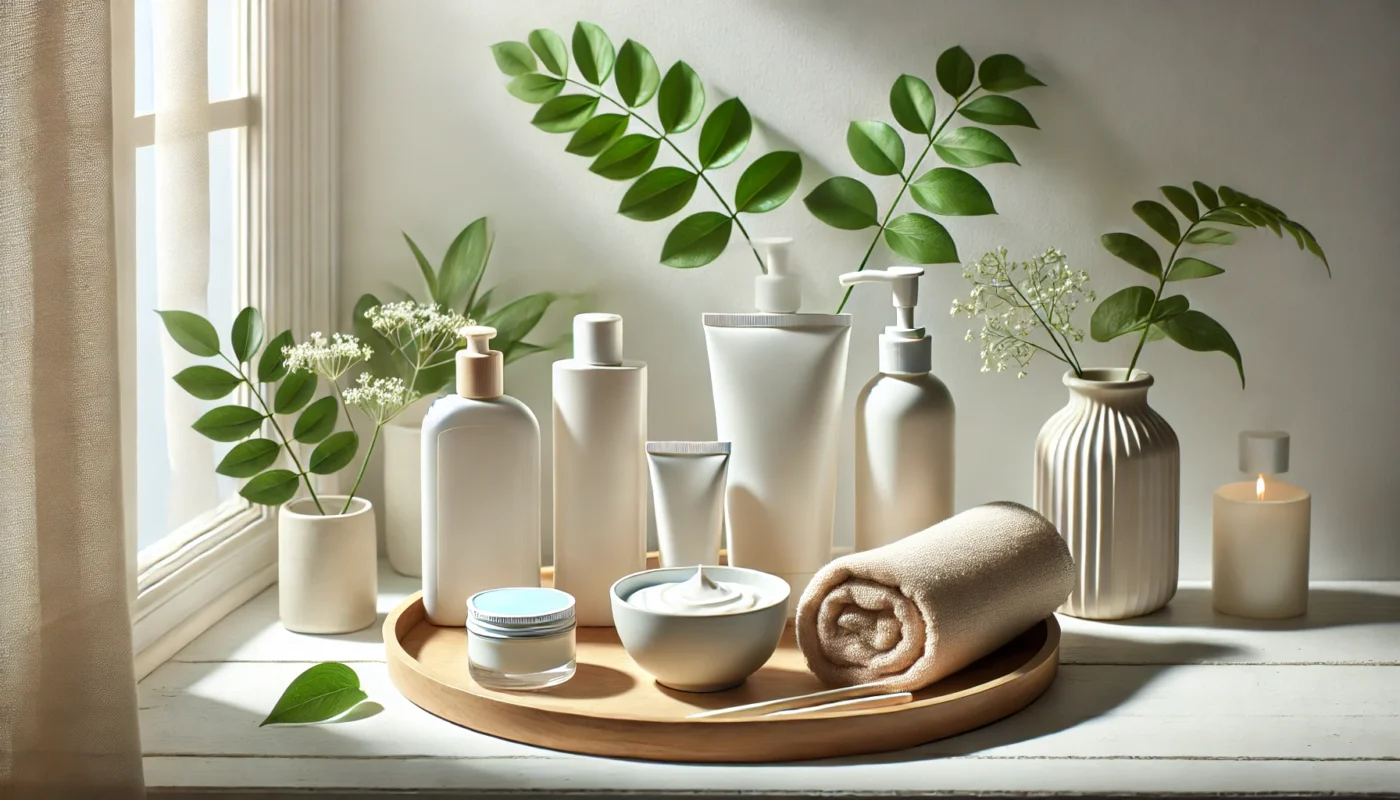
x=802 y=701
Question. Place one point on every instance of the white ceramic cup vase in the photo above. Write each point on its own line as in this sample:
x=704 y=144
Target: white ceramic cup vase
x=1108 y=475
x=403 y=489
x=327 y=575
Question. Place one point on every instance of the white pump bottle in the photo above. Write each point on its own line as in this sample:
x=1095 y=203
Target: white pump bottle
x=904 y=426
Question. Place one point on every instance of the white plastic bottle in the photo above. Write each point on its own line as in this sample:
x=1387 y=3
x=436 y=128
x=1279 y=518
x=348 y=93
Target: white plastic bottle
x=600 y=471
x=904 y=427
x=481 y=487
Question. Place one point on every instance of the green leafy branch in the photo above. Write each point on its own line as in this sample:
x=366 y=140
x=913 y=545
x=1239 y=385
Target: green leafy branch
x=876 y=147
x=234 y=423
x=1151 y=312
x=655 y=194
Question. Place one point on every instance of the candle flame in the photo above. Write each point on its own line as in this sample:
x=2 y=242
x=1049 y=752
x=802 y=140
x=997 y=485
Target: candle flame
x=1259 y=488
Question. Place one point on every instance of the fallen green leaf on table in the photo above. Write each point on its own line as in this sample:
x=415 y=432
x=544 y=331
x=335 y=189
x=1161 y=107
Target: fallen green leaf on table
x=322 y=692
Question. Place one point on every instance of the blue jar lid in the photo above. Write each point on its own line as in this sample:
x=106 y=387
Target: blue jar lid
x=520 y=612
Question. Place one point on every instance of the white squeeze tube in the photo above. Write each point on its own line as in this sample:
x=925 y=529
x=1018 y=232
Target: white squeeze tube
x=687 y=489
x=778 y=377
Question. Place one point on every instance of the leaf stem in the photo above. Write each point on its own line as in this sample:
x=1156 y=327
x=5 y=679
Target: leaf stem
x=932 y=137
x=363 y=464
x=1049 y=329
x=732 y=214
x=280 y=435
x=348 y=419
x=1161 y=286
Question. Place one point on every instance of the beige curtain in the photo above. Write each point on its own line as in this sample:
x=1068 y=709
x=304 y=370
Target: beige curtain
x=67 y=694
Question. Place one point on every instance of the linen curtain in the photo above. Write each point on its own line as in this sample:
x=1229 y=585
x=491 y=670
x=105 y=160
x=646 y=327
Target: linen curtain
x=68 y=725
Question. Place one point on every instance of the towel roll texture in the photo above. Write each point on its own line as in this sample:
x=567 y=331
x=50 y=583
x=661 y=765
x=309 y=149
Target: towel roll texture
x=915 y=611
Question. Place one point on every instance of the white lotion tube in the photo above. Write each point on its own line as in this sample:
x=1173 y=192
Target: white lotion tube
x=600 y=501
x=687 y=489
x=778 y=379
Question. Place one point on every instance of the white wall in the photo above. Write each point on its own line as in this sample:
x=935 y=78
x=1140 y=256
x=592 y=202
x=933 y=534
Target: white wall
x=1295 y=102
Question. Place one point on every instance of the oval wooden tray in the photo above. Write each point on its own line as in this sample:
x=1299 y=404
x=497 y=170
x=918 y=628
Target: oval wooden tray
x=613 y=708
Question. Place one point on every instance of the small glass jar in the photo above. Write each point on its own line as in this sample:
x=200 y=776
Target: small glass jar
x=520 y=639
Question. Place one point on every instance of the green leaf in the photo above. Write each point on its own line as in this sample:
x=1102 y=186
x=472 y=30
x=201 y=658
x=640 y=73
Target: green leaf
x=481 y=305
x=334 y=453
x=271 y=364
x=534 y=87
x=725 y=134
x=1183 y=201
x=1210 y=236
x=514 y=320
x=295 y=391
x=317 y=421
x=247 y=459
x=1313 y=247
x=513 y=58
x=875 y=147
x=1229 y=216
x=1155 y=333
x=1134 y=251
x=1159 y=218
x=843 y=203
x=1254 y=217
x=920 y=239
x=637 y=75
x=1004 y=73
x=697 y=240
x=464 y=264
x=247 y=334
x=1185 y=269
x=626 y=158
x=1207 y=195
x=565 y=113
x=382 y=362
x=1296 y=231
x=994 y=109
x=1230 y=197
x=1121 y=312
x=768 y=182
x=425 y=268
x=549 y=46
x=951 y=192
x=523 y=349
x=658 y=194
x=1196 y=331
x=1169 y=307
x=228 y=423
x=597 y=135
x=207 y=383
x=593 y=52
x=911 y=102
x=955 y=71
x=192 y=332
x=318 y=694
x=682 y=99
x=973 y=147
x=271 y=488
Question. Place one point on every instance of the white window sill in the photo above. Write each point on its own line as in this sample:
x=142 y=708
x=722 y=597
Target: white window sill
x=1183 y=702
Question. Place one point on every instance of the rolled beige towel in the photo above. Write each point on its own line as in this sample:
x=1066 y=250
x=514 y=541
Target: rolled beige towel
x=913 y=612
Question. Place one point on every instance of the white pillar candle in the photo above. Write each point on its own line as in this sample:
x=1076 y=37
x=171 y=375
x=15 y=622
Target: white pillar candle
x=1261 y=533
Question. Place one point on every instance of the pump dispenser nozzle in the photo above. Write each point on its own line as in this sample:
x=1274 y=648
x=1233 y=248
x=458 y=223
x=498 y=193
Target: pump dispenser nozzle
x=904 y=348
x=777 y=291
x=478 y=366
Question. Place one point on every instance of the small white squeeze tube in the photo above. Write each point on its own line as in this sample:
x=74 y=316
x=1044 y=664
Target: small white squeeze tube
x=687 y=488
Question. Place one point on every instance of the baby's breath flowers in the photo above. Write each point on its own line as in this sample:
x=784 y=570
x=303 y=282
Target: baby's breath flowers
x=423 y=336
x=328 y=359
x=381 y=399
x=1015 y=299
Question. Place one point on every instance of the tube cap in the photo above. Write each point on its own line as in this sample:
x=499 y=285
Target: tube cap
x=479 y=367
x=598 y=339
x=1263 y=452
x=778 y=291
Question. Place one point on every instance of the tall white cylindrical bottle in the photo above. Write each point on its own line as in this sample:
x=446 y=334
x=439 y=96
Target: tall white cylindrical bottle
x=481 y=487
x=600 y=432
x=904 y=427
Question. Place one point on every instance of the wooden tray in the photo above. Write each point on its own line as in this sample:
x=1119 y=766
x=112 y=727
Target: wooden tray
x=612 y=707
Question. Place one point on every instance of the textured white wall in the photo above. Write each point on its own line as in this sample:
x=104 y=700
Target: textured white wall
x=1295 y=102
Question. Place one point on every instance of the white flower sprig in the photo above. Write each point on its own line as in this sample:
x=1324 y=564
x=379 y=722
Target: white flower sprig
x=1015 y=299
x=381 y=399
x=421 y=335
x=328 y=359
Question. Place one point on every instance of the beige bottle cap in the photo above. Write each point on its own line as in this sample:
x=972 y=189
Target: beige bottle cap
x=478 y=366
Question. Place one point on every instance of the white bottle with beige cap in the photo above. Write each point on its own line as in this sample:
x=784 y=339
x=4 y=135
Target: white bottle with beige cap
x=600 y=433
x=481 y=487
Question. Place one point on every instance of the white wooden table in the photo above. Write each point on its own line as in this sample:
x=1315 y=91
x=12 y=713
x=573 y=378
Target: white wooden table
x=1180 y=702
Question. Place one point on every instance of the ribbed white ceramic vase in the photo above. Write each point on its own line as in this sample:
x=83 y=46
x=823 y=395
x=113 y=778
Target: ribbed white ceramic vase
x=1108 y=475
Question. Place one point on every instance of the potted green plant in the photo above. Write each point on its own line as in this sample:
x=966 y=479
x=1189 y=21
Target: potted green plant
x=457 y=283
x=1107 y=466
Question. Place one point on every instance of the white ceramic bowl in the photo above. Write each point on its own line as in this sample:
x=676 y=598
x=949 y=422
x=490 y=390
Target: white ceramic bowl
x=695 y=653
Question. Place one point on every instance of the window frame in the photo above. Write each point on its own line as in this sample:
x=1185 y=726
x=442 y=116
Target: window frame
x=286 y=239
